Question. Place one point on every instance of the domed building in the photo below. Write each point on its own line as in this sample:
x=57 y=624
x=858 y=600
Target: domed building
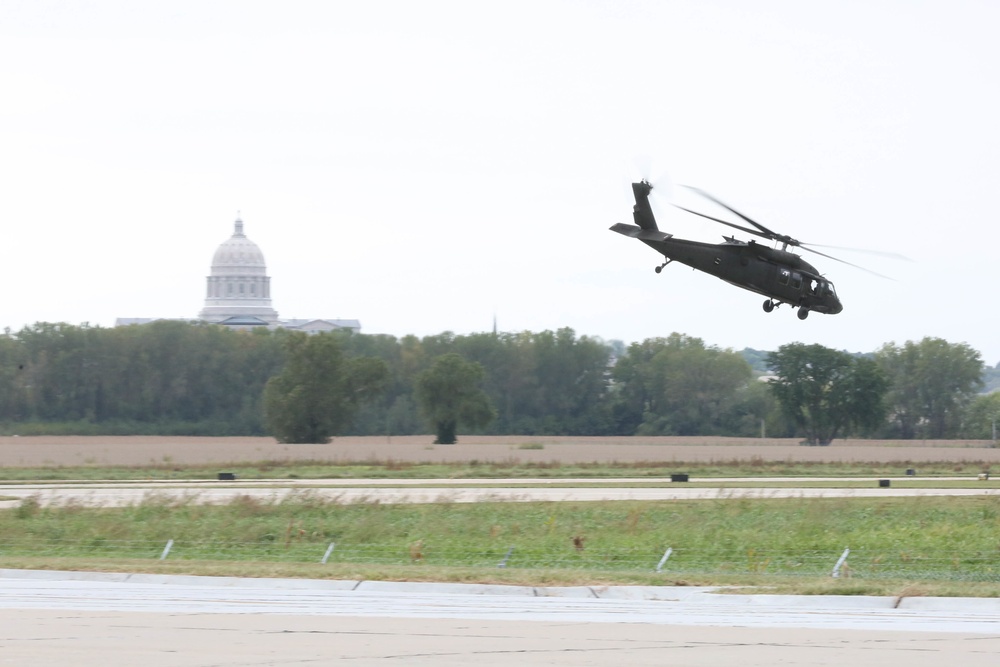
x=239 y=289
x=238 y=293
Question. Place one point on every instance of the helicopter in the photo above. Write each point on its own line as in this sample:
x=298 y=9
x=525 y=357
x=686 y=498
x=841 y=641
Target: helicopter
x=782 y=276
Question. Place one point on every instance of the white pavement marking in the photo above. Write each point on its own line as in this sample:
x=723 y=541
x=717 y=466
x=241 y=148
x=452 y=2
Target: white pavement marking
x=655 y=605
x=113 y=495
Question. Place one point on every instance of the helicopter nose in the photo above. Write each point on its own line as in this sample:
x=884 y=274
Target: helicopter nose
x=836 y=307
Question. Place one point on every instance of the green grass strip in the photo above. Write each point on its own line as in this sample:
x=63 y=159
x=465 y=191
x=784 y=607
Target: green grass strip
x=939 y=541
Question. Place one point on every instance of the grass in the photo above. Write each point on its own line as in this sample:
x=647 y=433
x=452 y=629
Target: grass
x=512 y=468
x=531 y=445
x=925 y=546
x=944 y=545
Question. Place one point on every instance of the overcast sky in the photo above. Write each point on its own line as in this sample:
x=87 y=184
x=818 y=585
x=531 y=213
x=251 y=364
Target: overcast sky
x=426 y=166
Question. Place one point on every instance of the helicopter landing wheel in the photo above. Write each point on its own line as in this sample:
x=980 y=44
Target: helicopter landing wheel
x=658 y=269
x=803 y=313
x=768 y=306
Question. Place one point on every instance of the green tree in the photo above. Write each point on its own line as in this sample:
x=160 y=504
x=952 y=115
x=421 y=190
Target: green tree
x=317 y=393
x=933 y=382
x=982 y=417
x=548 y=382
x=14 y=406
x=677 y=386
x=449 y=395
x=991 y=379
x=826 y=392
x=753 y=411
x=572 y=383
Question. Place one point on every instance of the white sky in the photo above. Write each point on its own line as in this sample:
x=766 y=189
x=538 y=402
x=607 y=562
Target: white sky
x=422 y=166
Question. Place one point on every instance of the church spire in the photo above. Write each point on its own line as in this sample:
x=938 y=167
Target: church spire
x=239 y=225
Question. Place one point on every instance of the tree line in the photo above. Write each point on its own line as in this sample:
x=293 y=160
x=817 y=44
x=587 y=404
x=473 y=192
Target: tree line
x=179 y=378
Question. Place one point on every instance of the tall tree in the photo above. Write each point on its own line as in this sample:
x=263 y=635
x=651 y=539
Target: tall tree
x=677 y=386
x=449 y=395
x=933 y=381
x=511 y=379
x=827 y=392
x=315 y=396
x=982 y=418
x=755 y=411
x=572 y=377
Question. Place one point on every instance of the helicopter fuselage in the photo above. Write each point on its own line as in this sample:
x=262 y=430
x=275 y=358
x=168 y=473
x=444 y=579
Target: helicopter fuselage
x=782 y=276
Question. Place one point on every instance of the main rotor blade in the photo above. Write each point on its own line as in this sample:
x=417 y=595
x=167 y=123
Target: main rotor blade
x=724 y=222
x=880 y=253
x=773 y=235
x=842 y=261
x=782 y=238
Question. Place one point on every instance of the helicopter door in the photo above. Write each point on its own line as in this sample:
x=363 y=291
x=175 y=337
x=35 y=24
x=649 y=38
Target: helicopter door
x=783 y=276
x=796 y=281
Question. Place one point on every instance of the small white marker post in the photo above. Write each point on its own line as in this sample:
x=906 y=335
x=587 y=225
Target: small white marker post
x=659 y=566
x=506 y=557
x=166 y=549
x=329 y=550
x=840 y=563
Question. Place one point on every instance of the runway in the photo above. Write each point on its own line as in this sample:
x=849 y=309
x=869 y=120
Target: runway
x=116 y=494
x=97 y=619
x=91 y=620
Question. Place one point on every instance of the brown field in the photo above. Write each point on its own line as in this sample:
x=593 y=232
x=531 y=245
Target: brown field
x=102 y=451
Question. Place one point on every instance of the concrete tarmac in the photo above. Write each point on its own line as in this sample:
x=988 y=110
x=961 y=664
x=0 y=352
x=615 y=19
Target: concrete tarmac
x=116 y=494
x=95 y=620
x=47 y=638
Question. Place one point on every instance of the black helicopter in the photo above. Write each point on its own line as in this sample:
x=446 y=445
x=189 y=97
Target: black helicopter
x=783 y=277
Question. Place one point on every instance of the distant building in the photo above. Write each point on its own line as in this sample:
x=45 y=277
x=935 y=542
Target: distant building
x=238 y=293
x=239 y=289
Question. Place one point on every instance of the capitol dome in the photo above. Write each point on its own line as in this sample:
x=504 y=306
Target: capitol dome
x=238 y=254
x=239 y=286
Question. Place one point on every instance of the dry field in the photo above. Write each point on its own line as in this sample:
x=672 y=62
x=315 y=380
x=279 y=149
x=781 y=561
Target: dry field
x=39 y=451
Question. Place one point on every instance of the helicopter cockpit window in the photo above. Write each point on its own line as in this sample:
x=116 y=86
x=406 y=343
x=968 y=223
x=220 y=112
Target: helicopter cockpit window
x=783 y=275
x=796 y=281
x=828 y=288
